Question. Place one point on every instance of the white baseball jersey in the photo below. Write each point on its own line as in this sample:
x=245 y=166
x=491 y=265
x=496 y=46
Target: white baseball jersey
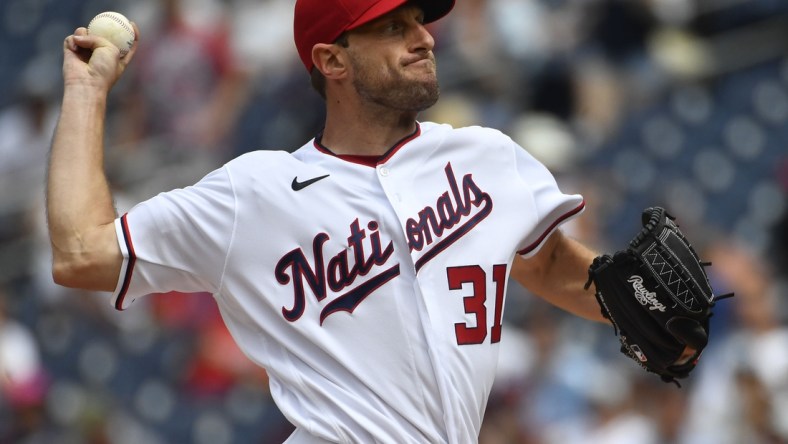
x=372 y=291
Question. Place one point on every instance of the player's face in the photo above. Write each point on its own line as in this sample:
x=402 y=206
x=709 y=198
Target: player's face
x=392 y=61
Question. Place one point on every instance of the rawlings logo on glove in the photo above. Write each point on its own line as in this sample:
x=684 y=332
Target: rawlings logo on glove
x=645 y=297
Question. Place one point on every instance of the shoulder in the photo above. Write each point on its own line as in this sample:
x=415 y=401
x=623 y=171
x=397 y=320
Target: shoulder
x=271 y=172
x=476 y=142
x=260 y=159
x=483 y=134
x=262 y=164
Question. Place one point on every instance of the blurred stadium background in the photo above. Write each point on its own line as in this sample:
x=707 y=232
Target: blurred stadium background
x=682 y=103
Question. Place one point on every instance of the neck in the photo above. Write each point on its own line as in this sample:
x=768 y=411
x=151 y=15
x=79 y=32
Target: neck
x=365 y=130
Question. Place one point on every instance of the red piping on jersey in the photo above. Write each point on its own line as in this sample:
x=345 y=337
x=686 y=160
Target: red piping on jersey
x=558 y=221
x=130 y=267
x=370 y=161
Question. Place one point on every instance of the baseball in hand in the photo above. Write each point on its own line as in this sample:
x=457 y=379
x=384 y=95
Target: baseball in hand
x=114 y=27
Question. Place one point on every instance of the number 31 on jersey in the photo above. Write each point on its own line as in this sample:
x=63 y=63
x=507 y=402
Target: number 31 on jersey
x=476 y=303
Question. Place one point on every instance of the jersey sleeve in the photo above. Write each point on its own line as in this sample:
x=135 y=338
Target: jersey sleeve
x=176 y=241
x=553 y=207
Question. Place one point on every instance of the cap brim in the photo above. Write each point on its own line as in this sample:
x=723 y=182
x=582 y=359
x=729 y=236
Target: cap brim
x=433 y=10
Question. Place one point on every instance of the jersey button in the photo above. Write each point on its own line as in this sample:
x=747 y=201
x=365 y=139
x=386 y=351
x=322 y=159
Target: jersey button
x=384 y=171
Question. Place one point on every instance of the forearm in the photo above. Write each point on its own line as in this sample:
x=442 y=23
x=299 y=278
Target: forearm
x=570 y=274
x=80 y=211
x=559 y=275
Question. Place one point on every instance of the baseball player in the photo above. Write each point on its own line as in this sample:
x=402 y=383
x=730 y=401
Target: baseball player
x=366 y=270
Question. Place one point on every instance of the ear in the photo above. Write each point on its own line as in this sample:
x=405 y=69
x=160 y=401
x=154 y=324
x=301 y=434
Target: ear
x=330 y=60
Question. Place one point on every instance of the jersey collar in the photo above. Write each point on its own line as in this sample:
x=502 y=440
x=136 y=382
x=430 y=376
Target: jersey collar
x=370 y=161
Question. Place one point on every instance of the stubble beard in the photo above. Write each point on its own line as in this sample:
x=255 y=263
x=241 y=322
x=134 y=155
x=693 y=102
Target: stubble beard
x=391 y=89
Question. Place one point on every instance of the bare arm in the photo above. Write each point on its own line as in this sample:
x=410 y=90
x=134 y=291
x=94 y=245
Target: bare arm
x=80 y=211
x=557 y=274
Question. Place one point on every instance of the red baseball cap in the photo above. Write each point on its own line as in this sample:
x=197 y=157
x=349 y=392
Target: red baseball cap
x=323 y=21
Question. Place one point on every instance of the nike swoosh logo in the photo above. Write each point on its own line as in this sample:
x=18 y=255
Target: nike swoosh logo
x=298 y=186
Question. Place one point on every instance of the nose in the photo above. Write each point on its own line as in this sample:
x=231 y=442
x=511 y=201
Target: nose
x=421 y=39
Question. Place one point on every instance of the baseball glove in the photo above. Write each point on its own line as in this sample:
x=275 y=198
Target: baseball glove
x=657 y=296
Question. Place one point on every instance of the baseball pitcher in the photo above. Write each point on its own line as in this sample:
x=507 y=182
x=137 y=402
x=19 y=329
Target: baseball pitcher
x=366 y=270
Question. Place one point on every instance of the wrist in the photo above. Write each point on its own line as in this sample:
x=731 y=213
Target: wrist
x=85 y=92
x=83 y=103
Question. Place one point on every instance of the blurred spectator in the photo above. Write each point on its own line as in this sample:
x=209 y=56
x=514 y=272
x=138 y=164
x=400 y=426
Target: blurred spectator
x=616 y=420
x=187 y=88
x=553 y=393
x=23 y=380
x=517 y=359
x=25 y=132
x=667 y=405
x=489 y=45
x=262 y=37
x=215 y=363
x=282 y=110
x=742 y=388
x=621 y=29
x=780 y=231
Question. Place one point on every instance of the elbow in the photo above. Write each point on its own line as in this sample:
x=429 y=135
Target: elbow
x=86 y=272
x=66 y=273
x=79 y=273
x=89 y=262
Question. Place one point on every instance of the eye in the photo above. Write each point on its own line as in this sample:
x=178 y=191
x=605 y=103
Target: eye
x=393 y=26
